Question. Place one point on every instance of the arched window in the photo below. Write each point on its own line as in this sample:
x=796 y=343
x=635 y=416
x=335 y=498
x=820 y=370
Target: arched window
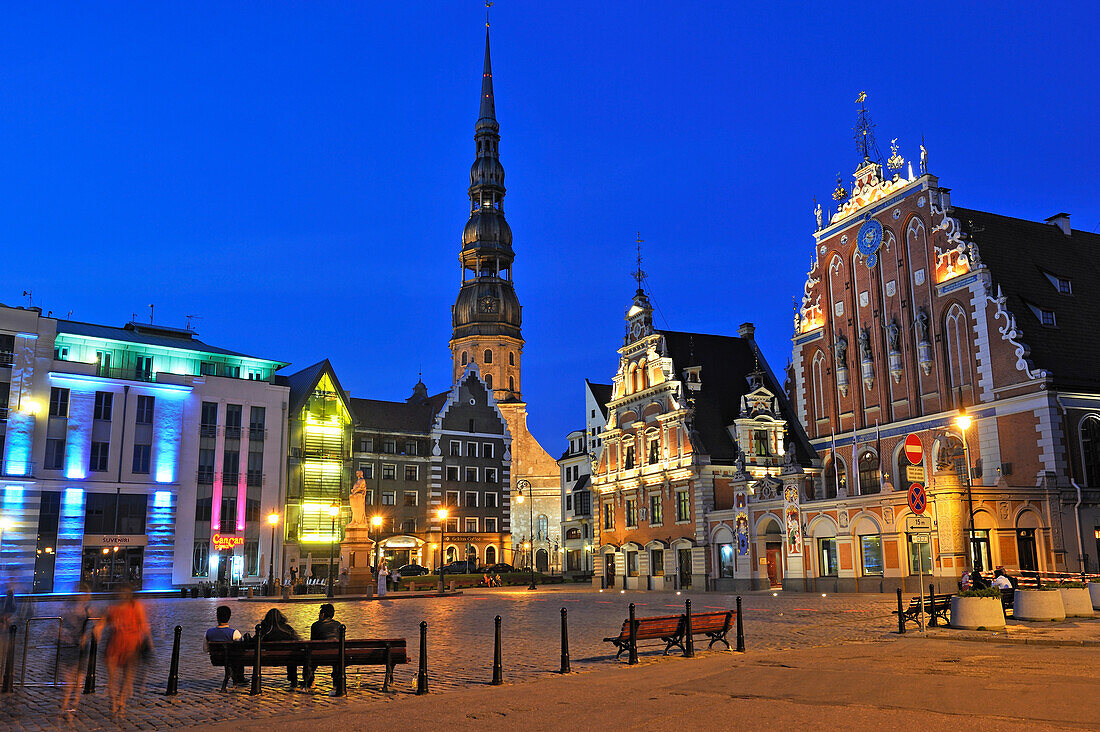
x=511 y=358
x=542 y=527
x=836 y=477
x=817 y=385
x=489 y=380
x=1090 y=450
x=488 y=356
x=465 y=358
x=452 y=554
x=572 y=533
x=958 y=350
x=870 y=480
x=490 y=555
x=511 y=384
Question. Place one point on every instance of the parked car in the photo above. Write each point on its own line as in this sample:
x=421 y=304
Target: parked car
x=412 y=570
x=461 y=567
x=500 y=568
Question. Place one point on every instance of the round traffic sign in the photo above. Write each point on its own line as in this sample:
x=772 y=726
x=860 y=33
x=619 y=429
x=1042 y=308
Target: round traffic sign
x=918 y=499
x=914 y=450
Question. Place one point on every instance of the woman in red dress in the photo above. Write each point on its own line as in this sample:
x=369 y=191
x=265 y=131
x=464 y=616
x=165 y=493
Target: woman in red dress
x=129 y=637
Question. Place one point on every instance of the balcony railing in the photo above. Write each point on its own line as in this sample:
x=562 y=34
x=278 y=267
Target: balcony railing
x=257 y=434
x=255 y=478
x=128 y=374
x=233 y=433
x=208 y=430
x=205 y=477
x=3 y=414
x=7 y=358
x=16 y=469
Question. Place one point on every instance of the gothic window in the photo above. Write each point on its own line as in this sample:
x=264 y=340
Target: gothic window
x=836 y=477
x=817 y=385
x=465 y=358
x=870 y=480
x=542 y=527
x=914 y=235
x=1090 y=449
x=511 y=384
x=957 y=346
x=489 y=380
x=511 y=358
x=488 y=356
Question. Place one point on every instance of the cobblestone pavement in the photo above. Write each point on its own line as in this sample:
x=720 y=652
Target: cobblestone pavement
x=460 y=647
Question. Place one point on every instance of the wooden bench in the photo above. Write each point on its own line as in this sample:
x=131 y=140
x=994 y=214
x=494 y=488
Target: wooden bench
x=672 y=630
x=1008 y=597
x=937 y=607
x=309 y=654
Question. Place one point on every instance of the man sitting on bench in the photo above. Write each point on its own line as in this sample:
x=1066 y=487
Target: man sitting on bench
x=224 y=633
x=324 y=629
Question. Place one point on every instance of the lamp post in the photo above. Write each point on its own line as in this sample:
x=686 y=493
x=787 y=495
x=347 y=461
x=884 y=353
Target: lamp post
x=442 y=514
x=333 y=512
x=521 y=486
x=273 y=521
x=963 y=422
x=376 y=525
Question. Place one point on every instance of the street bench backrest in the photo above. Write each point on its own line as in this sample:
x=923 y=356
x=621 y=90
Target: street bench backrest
x=283 y=653
x=658 y=626
x=715 y=622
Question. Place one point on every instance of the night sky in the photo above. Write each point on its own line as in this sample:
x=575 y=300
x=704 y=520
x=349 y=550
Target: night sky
x=295 y=173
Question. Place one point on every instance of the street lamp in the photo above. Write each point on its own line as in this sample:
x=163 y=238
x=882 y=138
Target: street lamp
x=273 y=521
x=963 y=422
x=442 y=513
x=521 y=486
x=376 y=524
x=333 y=512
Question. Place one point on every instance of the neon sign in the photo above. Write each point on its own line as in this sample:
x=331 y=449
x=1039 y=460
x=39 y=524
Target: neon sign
x=221 y=543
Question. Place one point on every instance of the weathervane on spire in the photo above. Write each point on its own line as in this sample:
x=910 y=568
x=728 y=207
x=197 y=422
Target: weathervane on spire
x=639 y=274
x=865 y=138
x=488 y=4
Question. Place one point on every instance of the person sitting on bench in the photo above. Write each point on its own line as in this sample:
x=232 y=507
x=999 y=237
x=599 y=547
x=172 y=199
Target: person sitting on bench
x=224 y=633
x=274 y=627
x=1001 y=580
x=324 y=629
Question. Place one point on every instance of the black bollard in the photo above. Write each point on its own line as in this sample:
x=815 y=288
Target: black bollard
x=931 y=604
x=564 y=642
x=422 y=676
x=174 y=666
x=9 y=663
x=633 y=632
x=255 y=689
x=689 y=647
x=901 y=614
x=498 y=668
x=93 y=650
x=339 y=679
x=740 y=628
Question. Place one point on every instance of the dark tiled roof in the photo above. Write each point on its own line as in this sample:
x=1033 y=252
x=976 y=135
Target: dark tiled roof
x=726 y=363
x=602 y=393
x=303 y=383
x=149 y=336
x=383 y=416
x=1018 y=252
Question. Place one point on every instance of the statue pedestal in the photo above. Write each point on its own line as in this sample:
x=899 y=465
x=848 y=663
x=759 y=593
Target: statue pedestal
x=356 y=553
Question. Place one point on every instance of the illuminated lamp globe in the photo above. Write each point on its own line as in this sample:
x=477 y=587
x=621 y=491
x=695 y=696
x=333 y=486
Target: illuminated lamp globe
x=273 y=518
x=376 y=521
x=334 y=510
x=963 y=420
x=442 y=513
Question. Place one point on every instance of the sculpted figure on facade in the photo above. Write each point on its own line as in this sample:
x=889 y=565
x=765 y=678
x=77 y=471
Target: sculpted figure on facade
x=359 y=502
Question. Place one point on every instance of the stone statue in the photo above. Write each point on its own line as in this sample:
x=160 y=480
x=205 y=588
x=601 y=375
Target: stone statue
x=788 y=456
x=893 y=333
x=359 y=502
x=923 y=159
x=817 y=213
x=864 y=345
x=740 y=463
x=842 y=350
x=922 y=326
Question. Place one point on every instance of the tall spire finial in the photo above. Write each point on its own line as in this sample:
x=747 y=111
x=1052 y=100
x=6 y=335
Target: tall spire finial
x=865 y=138
x=488 y=107
x=488 y=4
x=639 y=274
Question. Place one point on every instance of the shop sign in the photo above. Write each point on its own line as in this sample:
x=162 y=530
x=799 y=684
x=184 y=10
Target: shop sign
x=399 y=542
x=116 y=540
x=223 y=543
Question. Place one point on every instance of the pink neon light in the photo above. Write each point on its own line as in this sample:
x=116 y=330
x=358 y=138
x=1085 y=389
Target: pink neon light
x=216 y=507
x=242 y=494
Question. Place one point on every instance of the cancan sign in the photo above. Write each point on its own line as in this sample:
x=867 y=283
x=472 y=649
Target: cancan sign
x=914 y=450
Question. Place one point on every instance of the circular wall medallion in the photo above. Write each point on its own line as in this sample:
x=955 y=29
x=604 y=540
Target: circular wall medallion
x=897 y=214
x=869 y=240
x=920 y=202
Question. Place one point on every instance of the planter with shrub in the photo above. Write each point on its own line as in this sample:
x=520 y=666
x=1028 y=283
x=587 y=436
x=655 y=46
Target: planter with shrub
x=977 y=610
x=1044 y=603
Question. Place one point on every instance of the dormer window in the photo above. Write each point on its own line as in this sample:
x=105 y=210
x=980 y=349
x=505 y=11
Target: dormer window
x=1044 y=316
x=1062 y=284
x=1048 y=317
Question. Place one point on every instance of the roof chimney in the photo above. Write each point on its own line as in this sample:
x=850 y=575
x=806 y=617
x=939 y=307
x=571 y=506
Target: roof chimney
x=746 y=330
x=1061 y=220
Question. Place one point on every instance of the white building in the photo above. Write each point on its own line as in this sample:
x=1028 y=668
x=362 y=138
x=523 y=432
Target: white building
x=576 y=470
x=127 y=458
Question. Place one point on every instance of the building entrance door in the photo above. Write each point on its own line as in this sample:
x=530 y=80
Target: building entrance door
x=542 y=560
x=105 y=569
x=774 y=552
x=683 y=557
x=609 y=569
x=1025 y=544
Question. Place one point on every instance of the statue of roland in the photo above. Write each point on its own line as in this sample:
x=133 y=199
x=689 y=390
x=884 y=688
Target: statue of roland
x=359 y=502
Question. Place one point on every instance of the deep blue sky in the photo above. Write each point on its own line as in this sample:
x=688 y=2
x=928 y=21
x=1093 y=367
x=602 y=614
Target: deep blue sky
x=296 y=173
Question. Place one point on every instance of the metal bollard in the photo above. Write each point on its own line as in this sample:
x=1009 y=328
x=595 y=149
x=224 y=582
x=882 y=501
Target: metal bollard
x=498 y=668
x=93 y=650
x=422 y=675
x=255 y=689
x=174 y=666
x=740 y=628
x=9 y=663
x=339 y=679
x=633 y=658
x=564 y=642
x=931 y=604
x=689 y=647
x=901 y=615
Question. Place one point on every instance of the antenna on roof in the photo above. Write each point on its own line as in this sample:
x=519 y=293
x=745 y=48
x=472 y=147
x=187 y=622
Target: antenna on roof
x=189 y=319
x=27 y=294
x=639 y=274
x=150 y=313
x=69 y=315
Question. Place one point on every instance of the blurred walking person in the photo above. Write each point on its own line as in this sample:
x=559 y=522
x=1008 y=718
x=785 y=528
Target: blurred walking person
x=129 y=638
x=74 y=632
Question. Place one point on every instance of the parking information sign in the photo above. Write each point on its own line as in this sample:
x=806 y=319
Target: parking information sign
x=918 y=499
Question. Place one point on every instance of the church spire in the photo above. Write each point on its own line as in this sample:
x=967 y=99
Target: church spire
x=488 y=115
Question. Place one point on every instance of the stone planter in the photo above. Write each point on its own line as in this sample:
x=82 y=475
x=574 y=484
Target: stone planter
x=1077 y=602
x=1094 y=594
x=1038 y=605
x=973 y=613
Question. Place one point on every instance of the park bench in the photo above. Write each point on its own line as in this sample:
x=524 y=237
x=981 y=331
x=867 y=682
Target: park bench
x=937 y=607
x=1008 y=596
x=672 y=630
x=386 y=652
